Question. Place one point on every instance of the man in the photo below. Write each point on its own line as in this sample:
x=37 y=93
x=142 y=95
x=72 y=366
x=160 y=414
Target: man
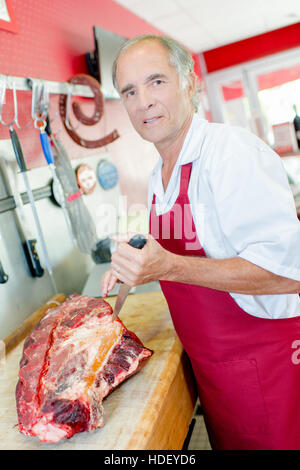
x=225 y=247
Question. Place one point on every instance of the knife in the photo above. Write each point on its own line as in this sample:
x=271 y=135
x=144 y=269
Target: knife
x=3 y=275
x=28 y=243
x=137 y=241
x=22 y=165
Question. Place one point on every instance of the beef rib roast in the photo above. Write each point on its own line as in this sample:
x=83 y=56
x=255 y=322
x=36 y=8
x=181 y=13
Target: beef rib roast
x=73 y=358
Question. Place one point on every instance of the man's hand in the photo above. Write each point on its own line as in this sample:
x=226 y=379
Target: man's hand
x=135 y=267
x=108 y=282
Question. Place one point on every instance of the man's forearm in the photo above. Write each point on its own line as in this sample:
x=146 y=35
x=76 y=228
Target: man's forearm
x=230 y=275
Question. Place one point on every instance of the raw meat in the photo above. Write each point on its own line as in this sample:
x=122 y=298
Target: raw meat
x=74 y=357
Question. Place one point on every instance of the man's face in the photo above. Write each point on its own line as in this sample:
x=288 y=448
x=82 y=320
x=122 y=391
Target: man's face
x=156 y=103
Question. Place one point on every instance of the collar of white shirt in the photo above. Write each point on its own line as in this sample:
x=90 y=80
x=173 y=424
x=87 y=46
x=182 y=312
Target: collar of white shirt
x=190 y=151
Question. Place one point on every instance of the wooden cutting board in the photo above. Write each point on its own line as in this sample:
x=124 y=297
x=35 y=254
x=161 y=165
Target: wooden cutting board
x=151 y=410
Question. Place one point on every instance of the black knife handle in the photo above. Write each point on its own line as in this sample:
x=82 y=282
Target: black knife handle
x=17 y=149
x=3 y=275
x=32 y=258
x=138 y=241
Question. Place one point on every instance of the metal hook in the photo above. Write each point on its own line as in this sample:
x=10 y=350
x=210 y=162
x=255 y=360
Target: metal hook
x=67 y=122
x=40 y=94
x=16 y=110
x=2 y=101
x=40 y=100
x=2 y=96
x=2 y=91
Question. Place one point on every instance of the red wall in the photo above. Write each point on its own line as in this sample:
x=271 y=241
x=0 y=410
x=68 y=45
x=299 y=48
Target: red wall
x=253 y=48
x=54 y=35
x=52 y=39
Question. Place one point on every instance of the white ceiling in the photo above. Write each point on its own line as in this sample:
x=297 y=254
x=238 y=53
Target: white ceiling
x=205 y=24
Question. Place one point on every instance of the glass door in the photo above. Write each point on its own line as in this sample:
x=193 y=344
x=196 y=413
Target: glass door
x=278 y=91
x=235 y=104
x=258 y=95
x=233 y=100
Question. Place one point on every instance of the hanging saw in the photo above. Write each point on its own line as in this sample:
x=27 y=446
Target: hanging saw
x=82 y=223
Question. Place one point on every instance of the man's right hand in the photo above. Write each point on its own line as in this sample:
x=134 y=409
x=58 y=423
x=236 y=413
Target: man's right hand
x=108 y=282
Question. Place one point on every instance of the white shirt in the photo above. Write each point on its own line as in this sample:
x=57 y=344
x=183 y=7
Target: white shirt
x=242 y=205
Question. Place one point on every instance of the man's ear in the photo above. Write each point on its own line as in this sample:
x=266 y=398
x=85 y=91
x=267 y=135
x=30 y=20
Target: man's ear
x=192 y=83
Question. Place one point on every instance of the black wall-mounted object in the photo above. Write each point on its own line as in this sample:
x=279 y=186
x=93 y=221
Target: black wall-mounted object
x=100 y=61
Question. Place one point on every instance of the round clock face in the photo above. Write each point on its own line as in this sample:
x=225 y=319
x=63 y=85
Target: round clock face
x=86 y=178
x=107 y=174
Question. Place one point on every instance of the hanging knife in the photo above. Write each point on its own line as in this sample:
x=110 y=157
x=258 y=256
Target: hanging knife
x=28 y=243
x=138 y=241
x=21 y=162
x=3 y=275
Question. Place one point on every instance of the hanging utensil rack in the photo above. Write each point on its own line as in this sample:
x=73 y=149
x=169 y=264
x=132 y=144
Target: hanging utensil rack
x=8 y=203
x=25 y=84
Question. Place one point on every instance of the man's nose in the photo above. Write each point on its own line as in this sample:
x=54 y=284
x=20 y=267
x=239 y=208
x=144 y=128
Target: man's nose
x=146 y=100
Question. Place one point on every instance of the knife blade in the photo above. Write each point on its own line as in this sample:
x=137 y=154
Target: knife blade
x=137 y=241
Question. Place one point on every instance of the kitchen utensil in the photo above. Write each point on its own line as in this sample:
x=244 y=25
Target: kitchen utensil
x=137 y=241
x=3 y=275
x=39 y=112
x=81 y=221
x=28 y=242
x=22 y=165
x=47 y=151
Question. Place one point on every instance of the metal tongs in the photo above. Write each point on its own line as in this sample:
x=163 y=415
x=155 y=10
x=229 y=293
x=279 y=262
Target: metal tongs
x=137 y=241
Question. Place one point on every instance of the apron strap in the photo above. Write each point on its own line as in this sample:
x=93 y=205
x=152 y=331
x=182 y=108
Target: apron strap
x=185 y=177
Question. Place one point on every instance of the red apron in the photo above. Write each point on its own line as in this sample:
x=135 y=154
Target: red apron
x=246 y=367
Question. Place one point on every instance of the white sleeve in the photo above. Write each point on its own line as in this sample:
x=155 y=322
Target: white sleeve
x=255 y=205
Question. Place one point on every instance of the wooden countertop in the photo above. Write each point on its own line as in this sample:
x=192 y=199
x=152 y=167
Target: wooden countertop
x=152 y=410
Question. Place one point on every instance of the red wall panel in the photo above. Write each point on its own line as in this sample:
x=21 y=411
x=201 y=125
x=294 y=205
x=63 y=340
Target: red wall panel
x=252 y=48
x=53 y=37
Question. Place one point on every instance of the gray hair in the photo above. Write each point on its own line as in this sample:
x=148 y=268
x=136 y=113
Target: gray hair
x=179 y=57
